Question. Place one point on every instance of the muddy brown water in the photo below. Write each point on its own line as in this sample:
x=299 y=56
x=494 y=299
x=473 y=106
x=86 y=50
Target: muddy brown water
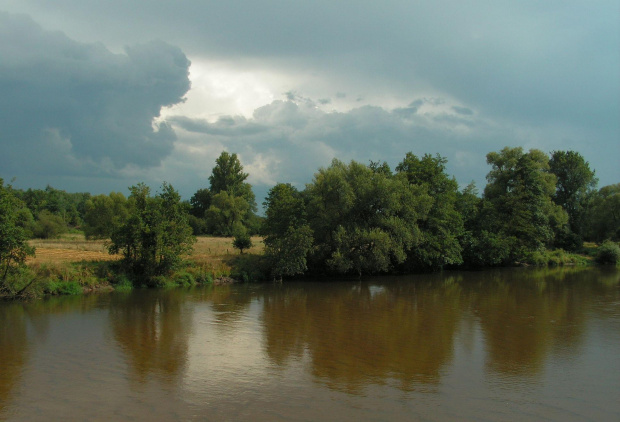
x=506 y=345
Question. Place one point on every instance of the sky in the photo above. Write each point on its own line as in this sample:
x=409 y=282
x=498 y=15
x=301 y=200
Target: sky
x=98 y=96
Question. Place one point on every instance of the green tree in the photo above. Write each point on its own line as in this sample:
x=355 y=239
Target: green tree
x=519 y=200
x=241 y=238
x=575 y=181
x=288 y=237
x=49 y=226
x=103 y=214
x=155 y=235
x=200 y=202
x=13 y=238
x=228 y=175
x=603 y=214
x=443 y=225
x=363 y=221
x=225 y=212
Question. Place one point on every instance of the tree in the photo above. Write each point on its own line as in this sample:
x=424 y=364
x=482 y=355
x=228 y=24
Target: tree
x=519 y=195
x=288 y=237
x=200 y=202
x=575 y=181
x=225 y=212
x=228 y=175
x=443 y=225
x=49 y=226
x=363 y=221
x=241 y=238
x=103 y=213
x=602 y=218
x=13 y=238
x=155 y=235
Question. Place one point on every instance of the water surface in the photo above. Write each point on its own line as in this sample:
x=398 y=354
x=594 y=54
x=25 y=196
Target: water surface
x=493 y=345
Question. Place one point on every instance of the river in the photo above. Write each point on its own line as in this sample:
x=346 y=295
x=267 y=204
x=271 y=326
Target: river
x=496 y=345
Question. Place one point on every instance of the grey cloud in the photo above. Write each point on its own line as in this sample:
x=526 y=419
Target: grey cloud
x=298 y=140
x=225 y=126
x=463 y=110
x=98 y=105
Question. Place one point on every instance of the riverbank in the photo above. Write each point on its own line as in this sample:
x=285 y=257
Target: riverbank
x=73 y=265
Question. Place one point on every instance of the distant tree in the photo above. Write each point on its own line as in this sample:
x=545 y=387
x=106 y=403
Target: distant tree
x=103 y=214
x=241 y=238
x=13 y=238
x=602 y=218
x=574 y=183
x=441 y=228
x=155 y=235
x=225 y=212
x=49 y=226
x=228 y=175
x=200 y=202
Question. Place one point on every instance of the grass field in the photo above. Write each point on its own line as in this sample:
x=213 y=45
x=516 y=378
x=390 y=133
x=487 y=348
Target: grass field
x=75 y=248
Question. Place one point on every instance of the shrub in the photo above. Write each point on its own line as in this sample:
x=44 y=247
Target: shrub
x=608 y=253
x=49 y=226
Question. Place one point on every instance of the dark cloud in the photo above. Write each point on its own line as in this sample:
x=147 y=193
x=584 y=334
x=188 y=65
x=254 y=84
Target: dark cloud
x=74 y=107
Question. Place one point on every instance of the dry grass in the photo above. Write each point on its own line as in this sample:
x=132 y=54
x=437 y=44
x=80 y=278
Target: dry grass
x=209 y=251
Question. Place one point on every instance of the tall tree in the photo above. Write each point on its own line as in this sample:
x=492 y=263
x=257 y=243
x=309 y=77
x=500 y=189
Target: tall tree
x=519 y=191
x=288 y=237
x=228 y=175
x=574 y=183
x=443 y=225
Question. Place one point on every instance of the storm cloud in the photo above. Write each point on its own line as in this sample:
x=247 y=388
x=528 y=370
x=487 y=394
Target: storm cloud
x=73 y=107
x=291 y=85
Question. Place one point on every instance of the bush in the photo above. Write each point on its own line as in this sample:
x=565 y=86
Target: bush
x=57 y=287
x=608 y=253
x=49 y=226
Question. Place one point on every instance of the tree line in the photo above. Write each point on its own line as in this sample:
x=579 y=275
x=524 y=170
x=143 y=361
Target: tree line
x=351 y=219
x=368 y=219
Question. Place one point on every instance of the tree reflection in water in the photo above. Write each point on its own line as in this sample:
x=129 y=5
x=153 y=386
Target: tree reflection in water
x=364 y=333
x=152 y=328
x=403 y=329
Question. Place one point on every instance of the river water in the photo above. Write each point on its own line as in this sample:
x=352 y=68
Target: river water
x=500 y=345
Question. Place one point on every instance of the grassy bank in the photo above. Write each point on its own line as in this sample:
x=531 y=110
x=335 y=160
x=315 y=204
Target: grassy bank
x=73 y=265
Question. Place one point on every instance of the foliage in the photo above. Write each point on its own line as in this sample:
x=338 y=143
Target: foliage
x=156 y=234
x=13 y=246
x=48 y=226
x=363 y=221
x=603 y=214
x=440 y=230
x=519 y=200
x=228 y=176
x=226 y=211
x=575 y=181
x=103 y=214
x=608 y=253
x=200 y=202
x=288 y=238
x=67 y=206
x=241 y=238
